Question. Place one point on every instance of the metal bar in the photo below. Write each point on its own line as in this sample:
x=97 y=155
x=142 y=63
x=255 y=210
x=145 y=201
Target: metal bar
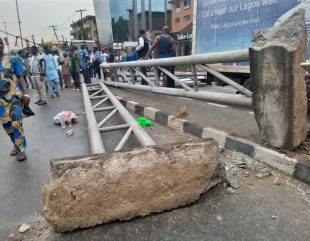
x=114 y=128
x=199 y=95
x=104 y=108
x=185 y=86
x=124 y=140
x=141 y=135
x=96 y=93
x=228 y=81
x=95 y=89
x=211 y=58
x=96 y=144
x=195 y=79
x=108 y=117
x=144 y=77
x=100 y=102
x=124 y=76
x=98 y=97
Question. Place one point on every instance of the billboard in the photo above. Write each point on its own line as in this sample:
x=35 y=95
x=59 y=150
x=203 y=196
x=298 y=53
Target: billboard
x=229 y=24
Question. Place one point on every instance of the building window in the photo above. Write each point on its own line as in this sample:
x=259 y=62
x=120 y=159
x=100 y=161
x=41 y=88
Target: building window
x=187 y=4
x=187 y=18
x=177 y=20
x=177 y=6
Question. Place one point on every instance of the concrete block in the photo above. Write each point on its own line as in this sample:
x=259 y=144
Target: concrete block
x=175 y=123
x=279 y=97
x=150 y=113
x=275 y=159
x=219 y=136
x=87 y=191
x=131 y=106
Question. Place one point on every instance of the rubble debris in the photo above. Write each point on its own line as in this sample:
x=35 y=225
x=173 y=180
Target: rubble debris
x=24 y=228
x=277 y=181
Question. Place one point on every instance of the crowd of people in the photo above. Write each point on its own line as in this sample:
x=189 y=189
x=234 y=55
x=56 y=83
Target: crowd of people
x=49 y=72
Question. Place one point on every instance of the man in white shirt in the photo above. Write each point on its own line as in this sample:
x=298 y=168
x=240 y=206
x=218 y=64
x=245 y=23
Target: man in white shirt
x=37 y=75
x=142 y=50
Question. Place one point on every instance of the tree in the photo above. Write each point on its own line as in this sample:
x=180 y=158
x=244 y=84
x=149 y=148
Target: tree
x=120 y=29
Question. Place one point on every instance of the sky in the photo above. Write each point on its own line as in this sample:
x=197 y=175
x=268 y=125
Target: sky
x=37 y=15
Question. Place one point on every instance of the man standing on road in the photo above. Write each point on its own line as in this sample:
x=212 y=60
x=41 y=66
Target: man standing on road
x=85 y=64
x=142 y=50
x=51 y=73
x=165 y=48
x=14 y=102
x=37 y=75
x=97 y=63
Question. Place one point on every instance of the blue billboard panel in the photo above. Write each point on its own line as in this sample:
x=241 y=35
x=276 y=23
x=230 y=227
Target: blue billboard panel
x=224 y=25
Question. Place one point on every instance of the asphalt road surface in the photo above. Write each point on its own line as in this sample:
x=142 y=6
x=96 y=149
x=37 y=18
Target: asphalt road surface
x=258 y=210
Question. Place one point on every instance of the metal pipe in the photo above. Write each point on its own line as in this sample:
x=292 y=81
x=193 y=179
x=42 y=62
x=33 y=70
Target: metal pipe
x=108 y=117
x=114 y=128
x=124 y=76
x=96 y=144
x=185 y=86
x=199 y=95
x=228 y=81
x=144 y=77
x=125 y=138
x=104 y=108
x=211 y=58
x=141 y=135
x=195 y=79
x=100 y=102
x=98 y=97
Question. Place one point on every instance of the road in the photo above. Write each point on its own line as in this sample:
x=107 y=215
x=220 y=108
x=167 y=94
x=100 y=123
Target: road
x=260 y=210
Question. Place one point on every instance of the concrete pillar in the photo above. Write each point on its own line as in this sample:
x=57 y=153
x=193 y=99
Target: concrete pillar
x=135 y=20
x=150 y=17
x=279 y=97
x=87 y=191
x=143 y=25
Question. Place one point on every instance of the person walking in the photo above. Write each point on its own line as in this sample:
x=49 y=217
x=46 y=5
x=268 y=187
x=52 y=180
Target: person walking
x=85 y=64
x=14 y=102
x=75 y=69
x=142 y=50
x=58 y=67
x=65 y=71
x=51 y=73
x=165 y=47
x=37 y=75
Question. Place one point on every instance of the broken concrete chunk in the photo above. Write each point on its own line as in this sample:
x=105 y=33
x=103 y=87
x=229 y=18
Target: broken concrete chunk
x=87 y=191
x=279 y=97
x=24 y=228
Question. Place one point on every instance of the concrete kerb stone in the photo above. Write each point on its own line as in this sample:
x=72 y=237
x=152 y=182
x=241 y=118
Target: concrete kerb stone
x=131 y=106
x=272 y=158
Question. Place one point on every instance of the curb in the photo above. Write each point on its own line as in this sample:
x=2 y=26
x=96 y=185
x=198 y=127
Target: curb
x=295 y=168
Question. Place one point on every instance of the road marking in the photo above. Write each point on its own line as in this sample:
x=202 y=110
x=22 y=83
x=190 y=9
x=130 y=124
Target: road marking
x=251 y=112
x=223 y=106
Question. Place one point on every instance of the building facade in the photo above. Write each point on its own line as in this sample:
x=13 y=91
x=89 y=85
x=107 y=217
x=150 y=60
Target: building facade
x=182 y=25
x=89 y=30
x=120 y=20
x=103 y=20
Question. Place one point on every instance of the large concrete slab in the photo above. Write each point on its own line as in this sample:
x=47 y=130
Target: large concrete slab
x=84 y=192
x=279 y=97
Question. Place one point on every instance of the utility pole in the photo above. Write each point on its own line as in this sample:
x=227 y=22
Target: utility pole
x=82 y=27
x=143 y=25
x=54 y=28
x=135 y=21
x=150 y=17
x=19 y=24
x=166 y=13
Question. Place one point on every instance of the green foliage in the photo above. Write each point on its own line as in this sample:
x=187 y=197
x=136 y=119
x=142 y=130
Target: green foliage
x=120 y=29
